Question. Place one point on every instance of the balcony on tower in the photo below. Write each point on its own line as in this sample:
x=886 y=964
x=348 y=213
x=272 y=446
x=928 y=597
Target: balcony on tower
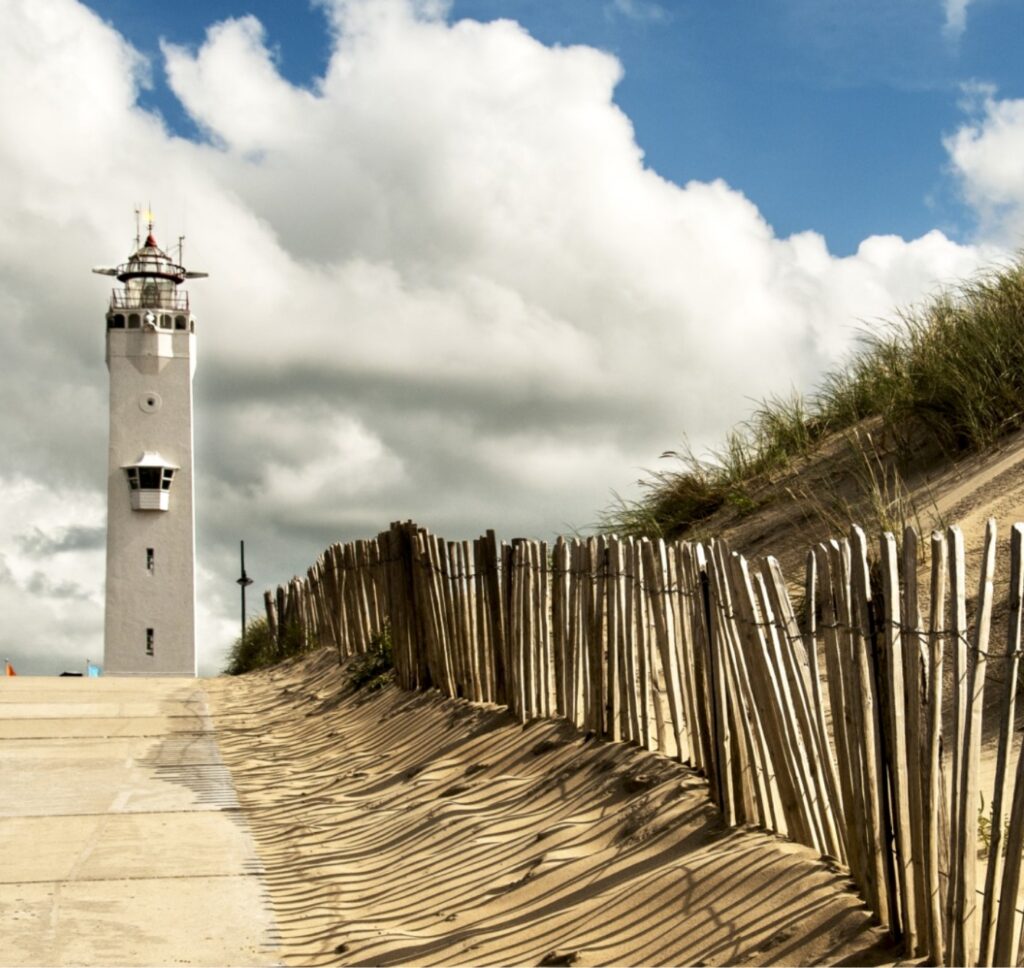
x=149 y=479
x=150 y=298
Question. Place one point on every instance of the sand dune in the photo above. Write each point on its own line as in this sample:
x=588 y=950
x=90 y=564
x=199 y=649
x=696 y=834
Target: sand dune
x=403 y=828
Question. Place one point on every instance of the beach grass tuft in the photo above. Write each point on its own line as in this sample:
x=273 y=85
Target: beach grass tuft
x=950 y=370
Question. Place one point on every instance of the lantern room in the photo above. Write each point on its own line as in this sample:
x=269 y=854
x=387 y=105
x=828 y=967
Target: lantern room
x=149 y=480
x=150 y=298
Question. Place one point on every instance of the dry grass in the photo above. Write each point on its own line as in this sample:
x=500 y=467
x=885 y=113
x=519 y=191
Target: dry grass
x=950 y=371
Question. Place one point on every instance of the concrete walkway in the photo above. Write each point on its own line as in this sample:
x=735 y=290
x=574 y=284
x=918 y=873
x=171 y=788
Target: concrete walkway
x=121 y=841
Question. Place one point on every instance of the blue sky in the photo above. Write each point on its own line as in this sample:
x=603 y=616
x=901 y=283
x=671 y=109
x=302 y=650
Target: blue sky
x=478 y=273
x=829 y=115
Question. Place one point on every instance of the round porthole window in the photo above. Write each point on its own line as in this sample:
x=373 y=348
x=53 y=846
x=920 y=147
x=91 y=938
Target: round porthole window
x=150 y=402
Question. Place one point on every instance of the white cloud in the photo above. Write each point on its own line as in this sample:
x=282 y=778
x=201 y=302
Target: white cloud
x=218 y=617
x=51 y=568
x=443 y=284
x=985 y=152
x=956 y=17
x=334 y=458
x=643 y=11
x=254 y=115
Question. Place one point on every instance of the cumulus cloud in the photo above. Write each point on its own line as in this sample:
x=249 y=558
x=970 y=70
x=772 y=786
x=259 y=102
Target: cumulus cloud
x=444 y=285
x=985 y=152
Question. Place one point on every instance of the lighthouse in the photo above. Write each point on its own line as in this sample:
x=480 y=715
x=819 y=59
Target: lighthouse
x=151 y=356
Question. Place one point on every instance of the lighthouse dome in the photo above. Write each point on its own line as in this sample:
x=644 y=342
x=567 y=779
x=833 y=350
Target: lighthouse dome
x=150 y=261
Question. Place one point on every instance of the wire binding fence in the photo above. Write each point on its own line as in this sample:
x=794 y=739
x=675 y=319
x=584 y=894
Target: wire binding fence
x=827 y=728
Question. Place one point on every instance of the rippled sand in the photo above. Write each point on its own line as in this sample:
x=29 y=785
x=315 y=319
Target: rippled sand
x=404 y=828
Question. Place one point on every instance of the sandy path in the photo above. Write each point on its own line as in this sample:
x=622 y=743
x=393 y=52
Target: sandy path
x=400 y=828
x=122 y=842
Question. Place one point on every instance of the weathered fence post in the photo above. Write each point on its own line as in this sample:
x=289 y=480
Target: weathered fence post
x=998 y=937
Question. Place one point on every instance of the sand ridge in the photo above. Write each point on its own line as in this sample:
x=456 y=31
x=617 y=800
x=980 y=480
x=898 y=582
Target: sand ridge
x=404 y=828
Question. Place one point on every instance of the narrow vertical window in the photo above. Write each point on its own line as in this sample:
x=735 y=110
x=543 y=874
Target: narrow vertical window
x=149 y=641
x=150 y=561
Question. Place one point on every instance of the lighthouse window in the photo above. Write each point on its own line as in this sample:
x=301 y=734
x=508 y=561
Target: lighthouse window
x=133 y=321
x=179 y=322
x=117 y=321
x=150 y=561
x=149 y=641
x=150 y=478
x=165 y=321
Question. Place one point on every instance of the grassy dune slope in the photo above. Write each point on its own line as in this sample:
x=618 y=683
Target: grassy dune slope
x=927 y=412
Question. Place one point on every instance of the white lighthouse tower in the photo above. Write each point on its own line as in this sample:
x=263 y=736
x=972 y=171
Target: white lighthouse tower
x=150 y=611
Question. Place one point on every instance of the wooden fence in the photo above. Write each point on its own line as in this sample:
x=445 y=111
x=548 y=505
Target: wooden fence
x=855 y=728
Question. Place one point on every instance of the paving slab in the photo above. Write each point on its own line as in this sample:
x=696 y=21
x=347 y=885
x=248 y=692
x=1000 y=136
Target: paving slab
x=66 y=727
x=100 y=710
x=75 y=775
x=123 y=840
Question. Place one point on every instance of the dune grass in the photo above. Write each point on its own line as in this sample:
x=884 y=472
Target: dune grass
x=374 y=669
x=260 y=648
x=952 y=367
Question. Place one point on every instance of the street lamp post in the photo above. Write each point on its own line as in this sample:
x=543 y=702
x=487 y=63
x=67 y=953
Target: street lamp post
x=243 y=581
